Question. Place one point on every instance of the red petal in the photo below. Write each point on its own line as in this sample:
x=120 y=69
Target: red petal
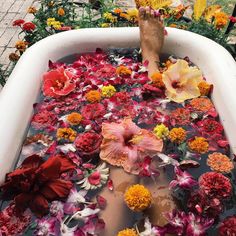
x=102 y=202
x=66 y=164
x=22 y=201
x=39 y=205
x=32 y=161
x=56 y=189
x=110 y=185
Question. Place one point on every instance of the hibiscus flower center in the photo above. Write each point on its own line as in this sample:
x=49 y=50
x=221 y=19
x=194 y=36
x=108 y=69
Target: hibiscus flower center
x=128 y=139
x=59 y=84
x=176 y=84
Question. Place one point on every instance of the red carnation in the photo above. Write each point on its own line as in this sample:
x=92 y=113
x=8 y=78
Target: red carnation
x=37 y=182
x=28 y=26
x=88 y=144
x=210 y=127
x=228 y=227
x=215 y=185
x=58 y=82
x=18 y=22
x=93 y=111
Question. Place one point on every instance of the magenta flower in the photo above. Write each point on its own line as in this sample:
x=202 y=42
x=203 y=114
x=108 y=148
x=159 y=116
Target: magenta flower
x=183 y=179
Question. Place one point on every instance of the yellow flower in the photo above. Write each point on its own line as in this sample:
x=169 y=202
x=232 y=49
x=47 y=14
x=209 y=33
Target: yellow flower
x=67 y=134
x=204 y=88
x=127 y=232
x=161 y=131
x=50 y=21
x=108 y=91
x=153 y=3
x=177 y=135
x=199 y=145
x=123 y=71
x=61 y=11
x=108 y=16
x=220 y=162
x=221 y=19
x=182 y=81
x=105 y=25
x=132 y=15
x=138 y=198
x=93 y=96
x=157 y=80
x=74 y=118
x=21 y=45
x=32 y=10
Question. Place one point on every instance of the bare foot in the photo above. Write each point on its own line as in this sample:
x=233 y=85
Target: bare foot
x=151 y=36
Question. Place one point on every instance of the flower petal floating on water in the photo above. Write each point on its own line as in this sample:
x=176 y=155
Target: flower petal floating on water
x=182 y=81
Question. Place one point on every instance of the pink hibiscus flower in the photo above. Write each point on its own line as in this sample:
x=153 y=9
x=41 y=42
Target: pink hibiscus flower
x=125 y=144
x=58 y=82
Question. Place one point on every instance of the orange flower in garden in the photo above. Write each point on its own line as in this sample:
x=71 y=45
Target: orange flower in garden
x=127 y=232
x=21 y=45
x=204 y=88
x=32 y=10
x=199 y=145
x=61 y=11
x=220 y=162
x=157 y=80
x=177 y=135
x=123 y=71
x=93 y=96
x=221 y=19
x=117 y=10
x=201 y=104
x=74 y=118
x=67 y=134
x=138 y=198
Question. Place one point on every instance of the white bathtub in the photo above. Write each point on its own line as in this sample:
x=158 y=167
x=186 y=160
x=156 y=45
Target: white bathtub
x=22 y=88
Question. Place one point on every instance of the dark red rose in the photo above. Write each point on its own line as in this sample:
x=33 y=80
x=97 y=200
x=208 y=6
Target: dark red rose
x=88 y=144
x=228 y=227
x=43 y=119
x=215 y=185
x=18 y=22
x=37 y=182
x=28 y=26
x=58 y=82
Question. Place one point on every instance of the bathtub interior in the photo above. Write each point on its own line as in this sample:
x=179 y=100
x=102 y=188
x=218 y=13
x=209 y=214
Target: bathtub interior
x=22 y=89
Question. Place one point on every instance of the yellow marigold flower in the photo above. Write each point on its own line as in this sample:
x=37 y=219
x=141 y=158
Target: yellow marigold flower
x=157 y=80
x=123 y=71
x=56 y=25
x=21 y=45
x=50 y=21
x=161 y=131
x=221 y=19
x=177 y=135
x=31 y=10
x=117 y=10
x=201 y=104
x=204 y=88
x=74 y=118
x=66 y=133
x=127 y=232
x=173 y=25
x=93 y=96
x=108 y=16
x=199 y=145
x=138 y=198
x=108 y=91
x=132 y=15
x=220 y=162
x=105 y=25
x=142 y=3
x=61 y=11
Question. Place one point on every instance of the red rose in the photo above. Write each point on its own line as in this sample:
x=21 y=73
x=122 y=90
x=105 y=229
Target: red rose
x=215 y=185
x=43 y=119
x=37 y=182
x=93 y=111
x=88 y=144
x=58 y=82
x=228 y=226
x=28 y=26
x=18 y=22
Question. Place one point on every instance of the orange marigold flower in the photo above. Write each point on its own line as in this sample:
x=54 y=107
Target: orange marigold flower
x=199 y=145
x=177 y=135
x=123 y=71
x=138 y=198
x=204 y=88
x=220 y=162
x=21 y=45
x=127 y=232
x=74 y=118
x=117 y=10
x=201 y=104
x=67 y=134
x=221 y=19
x=31 y=10
x=61 y=11
x=93 y=96
x=157 y=80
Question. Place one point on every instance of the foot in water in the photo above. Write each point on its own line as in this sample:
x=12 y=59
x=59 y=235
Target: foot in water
x=151 y=36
